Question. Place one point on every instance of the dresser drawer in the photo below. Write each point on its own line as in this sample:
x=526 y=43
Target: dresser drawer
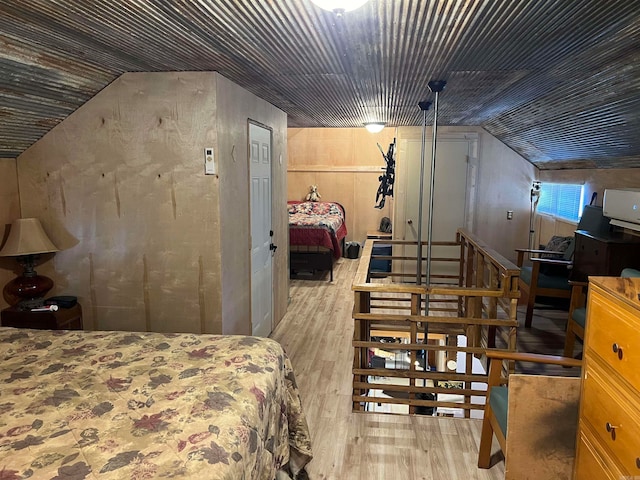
x=613 y=417
x=591 y=463
x=612 y=333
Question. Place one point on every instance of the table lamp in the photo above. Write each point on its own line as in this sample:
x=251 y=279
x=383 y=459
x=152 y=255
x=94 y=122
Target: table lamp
x=27 y=240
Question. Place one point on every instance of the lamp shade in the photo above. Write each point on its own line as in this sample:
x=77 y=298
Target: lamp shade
x=27 y=237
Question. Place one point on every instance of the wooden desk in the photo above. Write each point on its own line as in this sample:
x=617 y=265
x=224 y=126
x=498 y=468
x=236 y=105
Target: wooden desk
x=63 y=319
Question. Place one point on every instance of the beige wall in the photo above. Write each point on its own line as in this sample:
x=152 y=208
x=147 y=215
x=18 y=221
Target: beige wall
x=504 y=183
x=120 y=186
x=345 y=164
x=235 y=108
x=9 y=211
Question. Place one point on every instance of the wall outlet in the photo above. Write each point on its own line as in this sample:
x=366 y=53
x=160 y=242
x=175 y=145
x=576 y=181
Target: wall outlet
x=209 y=162
x=509 y=214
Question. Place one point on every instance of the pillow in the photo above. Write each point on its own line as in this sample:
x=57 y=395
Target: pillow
x=558 y=243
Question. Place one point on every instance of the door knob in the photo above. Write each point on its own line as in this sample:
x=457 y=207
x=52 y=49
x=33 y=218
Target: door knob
x=410 y=222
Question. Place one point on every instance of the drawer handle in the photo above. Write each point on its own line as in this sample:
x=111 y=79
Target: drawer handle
x=617 y=349
x=612 y=430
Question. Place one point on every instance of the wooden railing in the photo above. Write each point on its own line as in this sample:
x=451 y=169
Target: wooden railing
x=477 y=313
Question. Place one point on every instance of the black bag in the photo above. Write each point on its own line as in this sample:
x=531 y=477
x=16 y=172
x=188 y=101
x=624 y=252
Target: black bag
x=422 y=410
x=385 y=225
x=352 y=250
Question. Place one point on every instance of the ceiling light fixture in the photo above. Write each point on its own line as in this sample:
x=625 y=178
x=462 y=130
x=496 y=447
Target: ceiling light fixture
x=339 y=7
x=374 y=127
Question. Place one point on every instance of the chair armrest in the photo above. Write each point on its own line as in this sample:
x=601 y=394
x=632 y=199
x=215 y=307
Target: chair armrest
x=578 y=296
x=528 y=250
x=552 y=261
x=534 y=357
x=521 y=252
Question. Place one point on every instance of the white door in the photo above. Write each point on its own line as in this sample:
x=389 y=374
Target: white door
x=450 y=201
x=261 y=231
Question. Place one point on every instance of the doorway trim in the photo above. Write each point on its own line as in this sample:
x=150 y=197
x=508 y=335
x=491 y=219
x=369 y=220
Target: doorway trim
x=253 y=280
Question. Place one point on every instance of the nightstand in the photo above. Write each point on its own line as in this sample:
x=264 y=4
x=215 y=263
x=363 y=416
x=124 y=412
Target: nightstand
x=63 y=319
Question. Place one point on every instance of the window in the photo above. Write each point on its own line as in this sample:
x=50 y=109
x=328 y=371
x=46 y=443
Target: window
x=562 y=200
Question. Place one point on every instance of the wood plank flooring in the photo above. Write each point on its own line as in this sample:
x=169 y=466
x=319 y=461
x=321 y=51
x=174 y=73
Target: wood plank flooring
x=316 y=333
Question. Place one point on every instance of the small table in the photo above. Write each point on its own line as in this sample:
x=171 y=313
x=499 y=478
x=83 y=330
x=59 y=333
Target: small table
x=63 y=319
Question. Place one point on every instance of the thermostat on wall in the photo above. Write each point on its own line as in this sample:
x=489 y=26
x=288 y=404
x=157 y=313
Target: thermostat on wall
x=209 y=162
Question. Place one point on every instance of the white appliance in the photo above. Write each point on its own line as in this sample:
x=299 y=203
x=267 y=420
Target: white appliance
x=623 y=207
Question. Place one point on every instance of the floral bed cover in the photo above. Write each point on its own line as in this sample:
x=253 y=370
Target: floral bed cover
x=122 y=405
x=317 y=224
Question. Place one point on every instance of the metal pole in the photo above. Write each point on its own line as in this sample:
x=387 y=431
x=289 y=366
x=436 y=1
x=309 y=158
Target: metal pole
x=435 y=86
x=424 y=106
x=535 y=196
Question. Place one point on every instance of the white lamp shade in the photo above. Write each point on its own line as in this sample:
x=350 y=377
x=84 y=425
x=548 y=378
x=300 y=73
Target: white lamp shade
x=374 y=127
x=27 y=237
x=339 y=5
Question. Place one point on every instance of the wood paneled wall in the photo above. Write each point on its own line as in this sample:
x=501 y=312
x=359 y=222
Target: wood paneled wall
x=345 y=164
x=120 y=186
x=235 y=107
x=9 y=211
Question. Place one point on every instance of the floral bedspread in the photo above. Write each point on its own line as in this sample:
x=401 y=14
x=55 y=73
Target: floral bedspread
x=316 y=214
x=122 y=405
x=317 y=224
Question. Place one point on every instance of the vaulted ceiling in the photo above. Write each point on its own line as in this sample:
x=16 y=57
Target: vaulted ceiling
x=558 y=81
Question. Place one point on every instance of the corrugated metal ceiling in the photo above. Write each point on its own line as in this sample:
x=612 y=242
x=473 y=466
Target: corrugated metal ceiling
x=557 y=81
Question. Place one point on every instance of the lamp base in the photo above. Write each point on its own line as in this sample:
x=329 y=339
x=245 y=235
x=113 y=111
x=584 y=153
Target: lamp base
x=24 y=290
x=30 y=304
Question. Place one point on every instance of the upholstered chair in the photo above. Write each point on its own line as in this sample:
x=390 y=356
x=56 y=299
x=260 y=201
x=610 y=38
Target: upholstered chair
x=548 y=274
x=550 y=392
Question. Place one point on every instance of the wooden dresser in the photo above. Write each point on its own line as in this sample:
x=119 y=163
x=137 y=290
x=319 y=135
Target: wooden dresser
x=608 y=440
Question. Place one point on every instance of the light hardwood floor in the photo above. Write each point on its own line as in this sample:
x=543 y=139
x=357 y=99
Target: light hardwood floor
x=316 y=333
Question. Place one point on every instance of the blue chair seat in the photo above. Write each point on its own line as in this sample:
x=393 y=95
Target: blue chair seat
x=545 y=281
x=580 y=316
x=630 y=273
x=499 y=401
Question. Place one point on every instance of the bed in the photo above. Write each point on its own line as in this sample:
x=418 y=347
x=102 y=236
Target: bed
x=122 y=405
x=317 y=232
